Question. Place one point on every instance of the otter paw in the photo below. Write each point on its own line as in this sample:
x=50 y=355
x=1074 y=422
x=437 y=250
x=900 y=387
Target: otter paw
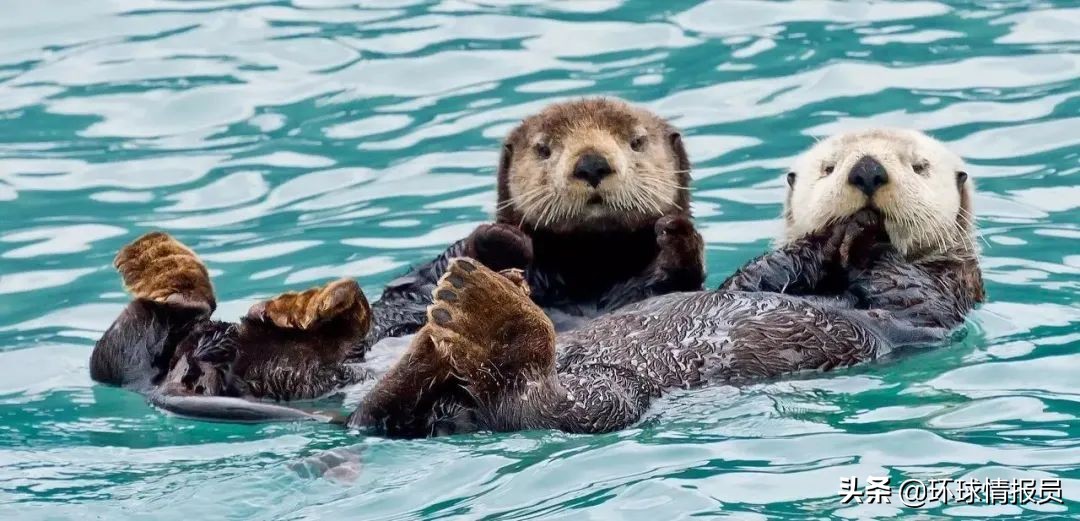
x=157 y=267
x=308 y=309
x=500 y=246
x=485 y=324
x=676 y=233
x=674 y=226
x=682 y=252
x=855 y=242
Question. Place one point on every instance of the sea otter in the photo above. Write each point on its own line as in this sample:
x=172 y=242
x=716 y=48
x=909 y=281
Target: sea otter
x=165 y=345
x=593 y=205
x=877 y=255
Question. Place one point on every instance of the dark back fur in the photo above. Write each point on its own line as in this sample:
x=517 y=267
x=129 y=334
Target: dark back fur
x=137 y=349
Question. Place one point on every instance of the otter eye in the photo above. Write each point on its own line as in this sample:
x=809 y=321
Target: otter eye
x=543 y=151
x=638 y=143
x=919 y=167
x=829 y=169
x=791 y=178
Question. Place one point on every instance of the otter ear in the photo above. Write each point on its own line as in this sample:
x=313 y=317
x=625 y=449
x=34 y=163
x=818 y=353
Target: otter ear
x=502 y=182
x=677 y=147
x=961 y=177
x=791 y=179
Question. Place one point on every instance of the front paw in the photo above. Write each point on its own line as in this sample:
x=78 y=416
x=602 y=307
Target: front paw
x=342 y=298
x=160 y=268
x=682 y=249
x=858 y=241
x=500 y=246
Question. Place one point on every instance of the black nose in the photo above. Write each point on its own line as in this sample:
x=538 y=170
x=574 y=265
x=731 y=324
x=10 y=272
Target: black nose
x=592 y=168
x=868 y=175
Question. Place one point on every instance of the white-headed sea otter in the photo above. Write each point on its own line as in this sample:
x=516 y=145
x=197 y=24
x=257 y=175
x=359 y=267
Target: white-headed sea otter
x=878 y=255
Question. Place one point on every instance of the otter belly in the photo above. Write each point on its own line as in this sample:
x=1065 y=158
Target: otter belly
x=685 y=340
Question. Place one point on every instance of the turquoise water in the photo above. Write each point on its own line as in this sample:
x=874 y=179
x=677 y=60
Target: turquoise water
x=294 y=142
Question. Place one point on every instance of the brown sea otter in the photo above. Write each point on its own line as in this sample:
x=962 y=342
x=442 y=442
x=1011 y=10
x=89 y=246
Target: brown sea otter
x=593 y=205
x=165 y=345
x=878 y=255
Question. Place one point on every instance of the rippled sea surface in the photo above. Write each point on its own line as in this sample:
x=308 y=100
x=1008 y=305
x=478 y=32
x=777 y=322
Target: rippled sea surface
x=294 y=142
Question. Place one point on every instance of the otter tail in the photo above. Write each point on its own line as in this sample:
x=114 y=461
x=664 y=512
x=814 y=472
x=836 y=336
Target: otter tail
x=236 y=410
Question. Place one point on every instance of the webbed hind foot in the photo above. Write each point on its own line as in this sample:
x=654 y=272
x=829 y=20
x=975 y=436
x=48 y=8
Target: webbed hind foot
x=159 y=268
x=484 y=324
x=309 y=309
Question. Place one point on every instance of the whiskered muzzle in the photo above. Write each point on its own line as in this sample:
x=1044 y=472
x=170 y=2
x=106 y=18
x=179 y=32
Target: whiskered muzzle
x=916 y=229
x=628 y=198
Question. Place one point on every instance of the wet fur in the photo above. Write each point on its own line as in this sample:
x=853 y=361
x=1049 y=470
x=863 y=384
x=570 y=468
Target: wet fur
x=927 y=205
x=840 y=294
x=164 y=344
x=580 y=260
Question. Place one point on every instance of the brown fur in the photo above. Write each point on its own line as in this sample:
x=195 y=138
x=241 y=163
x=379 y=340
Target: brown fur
x=599 y=125
x=587 y=238
x=306 y=309
x=464 y=327
x=159 y=268
x=593 y=205
x=288 y=347
x=837 y=294
x=450 y=362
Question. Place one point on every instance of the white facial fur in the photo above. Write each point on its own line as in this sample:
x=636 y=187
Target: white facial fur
x=922 y=202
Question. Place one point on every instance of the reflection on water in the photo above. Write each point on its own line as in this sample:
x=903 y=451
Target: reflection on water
x=294 y=142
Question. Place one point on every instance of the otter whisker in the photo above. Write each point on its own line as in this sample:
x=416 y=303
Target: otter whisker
x=674 y=172
x=542 y=206
x=546 y=209
x=644 y=199
x=939 y=229
x=971 y=228
x=965 y=234
x=527 y=202
x=527 y=197
x=918 y=223
x=650 y=193
x=659 y=177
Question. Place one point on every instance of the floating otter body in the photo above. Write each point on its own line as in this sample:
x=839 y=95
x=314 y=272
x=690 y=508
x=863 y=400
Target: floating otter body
x=165 y=345
x=593 y=205
x=878 y=255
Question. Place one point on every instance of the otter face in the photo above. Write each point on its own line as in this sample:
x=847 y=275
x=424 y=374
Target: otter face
x=918 y=185
x=595 y=164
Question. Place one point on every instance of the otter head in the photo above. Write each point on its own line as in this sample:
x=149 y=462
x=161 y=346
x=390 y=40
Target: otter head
x=918 y=185
x=592 y=165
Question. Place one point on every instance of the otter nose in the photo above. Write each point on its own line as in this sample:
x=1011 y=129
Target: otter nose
x=592 y=168
x=868 y=175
